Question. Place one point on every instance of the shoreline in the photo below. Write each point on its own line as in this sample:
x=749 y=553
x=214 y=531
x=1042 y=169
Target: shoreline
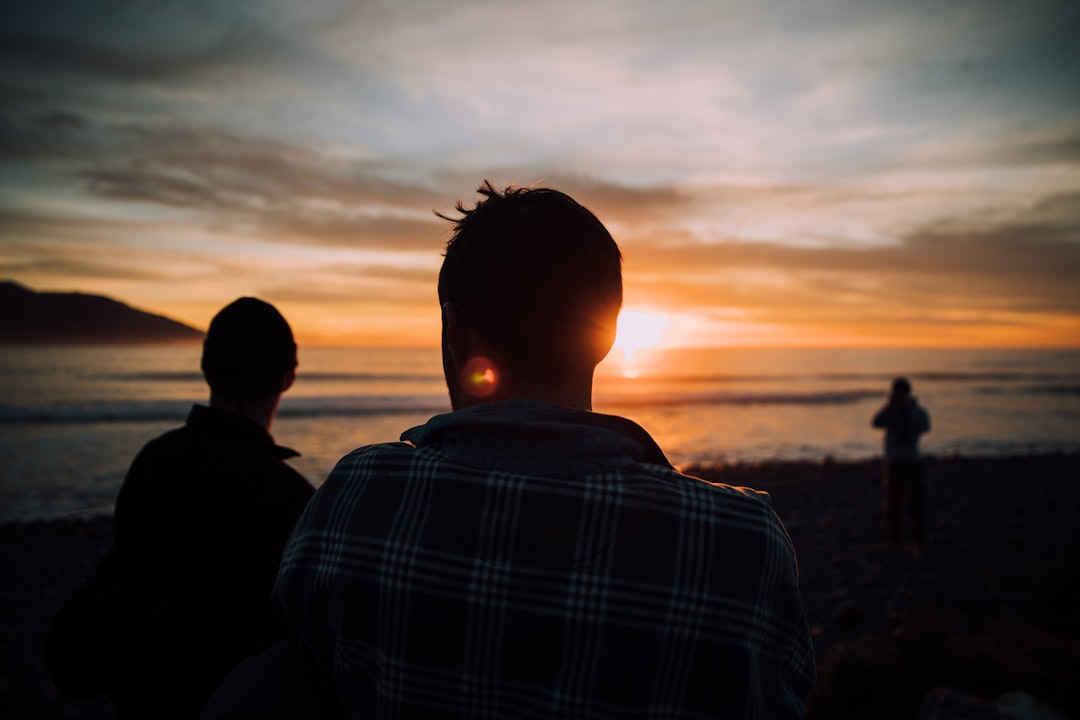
x=997 y=527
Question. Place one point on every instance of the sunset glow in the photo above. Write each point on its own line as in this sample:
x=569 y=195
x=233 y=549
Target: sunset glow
x=851 y=173
x=639 y=330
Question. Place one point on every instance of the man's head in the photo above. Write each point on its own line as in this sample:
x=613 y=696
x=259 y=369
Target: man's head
x=249 y=351
x=537 y=280
x=901 y=388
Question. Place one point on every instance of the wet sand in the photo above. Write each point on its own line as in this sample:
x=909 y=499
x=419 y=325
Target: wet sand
x=996 y=527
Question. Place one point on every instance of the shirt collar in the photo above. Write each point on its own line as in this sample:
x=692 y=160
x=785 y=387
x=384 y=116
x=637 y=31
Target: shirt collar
x=225 y=422
x=534 y=437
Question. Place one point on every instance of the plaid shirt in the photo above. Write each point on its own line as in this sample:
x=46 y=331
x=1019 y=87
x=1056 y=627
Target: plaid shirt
x=526 y=560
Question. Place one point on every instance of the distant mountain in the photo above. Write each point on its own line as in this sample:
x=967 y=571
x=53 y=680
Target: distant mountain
x=28 y=317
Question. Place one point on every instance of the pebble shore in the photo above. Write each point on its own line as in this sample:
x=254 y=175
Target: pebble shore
x=996 y=526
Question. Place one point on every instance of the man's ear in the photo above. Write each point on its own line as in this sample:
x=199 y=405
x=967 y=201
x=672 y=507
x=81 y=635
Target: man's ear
x=287 y=379
x=459 y=336
x=472 y=366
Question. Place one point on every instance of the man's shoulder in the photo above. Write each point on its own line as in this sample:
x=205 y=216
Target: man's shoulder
x=721 y=497
x=379 y=452
x=184 y=438
x=173 y=443
x=732 y=512
x=383 y=460
x=188 y=450
x=706 y=488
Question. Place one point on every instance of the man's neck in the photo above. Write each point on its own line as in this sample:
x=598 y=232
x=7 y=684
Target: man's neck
x=477 y=372
x=260 y=410
x=576 y=395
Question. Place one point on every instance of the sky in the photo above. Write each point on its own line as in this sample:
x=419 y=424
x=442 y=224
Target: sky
x=825 y=173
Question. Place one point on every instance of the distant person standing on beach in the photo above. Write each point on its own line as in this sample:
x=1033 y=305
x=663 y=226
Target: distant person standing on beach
x=202 y=517
x=904 y=420
x=523 y=556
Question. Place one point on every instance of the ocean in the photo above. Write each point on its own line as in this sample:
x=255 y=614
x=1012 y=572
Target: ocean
x=71 y=418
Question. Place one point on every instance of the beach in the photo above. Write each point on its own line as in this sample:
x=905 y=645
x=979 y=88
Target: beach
x=1002 y=534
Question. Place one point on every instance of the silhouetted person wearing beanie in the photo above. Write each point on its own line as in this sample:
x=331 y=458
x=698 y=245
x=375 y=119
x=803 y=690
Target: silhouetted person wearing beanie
x=904 y=420
x=201 y=520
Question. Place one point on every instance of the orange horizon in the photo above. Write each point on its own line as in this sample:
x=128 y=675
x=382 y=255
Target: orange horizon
x=390 y=324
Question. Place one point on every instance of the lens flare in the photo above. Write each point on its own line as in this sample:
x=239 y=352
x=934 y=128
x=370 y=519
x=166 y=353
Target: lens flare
x=479 y=377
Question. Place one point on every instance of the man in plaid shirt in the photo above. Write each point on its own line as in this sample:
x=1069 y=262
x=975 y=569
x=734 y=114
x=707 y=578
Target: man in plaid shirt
x=523 y=556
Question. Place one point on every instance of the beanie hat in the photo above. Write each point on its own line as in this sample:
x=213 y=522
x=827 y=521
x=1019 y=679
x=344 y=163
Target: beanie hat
x=247 y=348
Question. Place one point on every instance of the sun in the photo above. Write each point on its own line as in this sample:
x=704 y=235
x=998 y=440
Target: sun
x=638 y=330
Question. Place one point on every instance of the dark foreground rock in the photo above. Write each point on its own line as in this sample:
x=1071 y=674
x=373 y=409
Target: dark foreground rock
x=992 y=606
x=42 y=564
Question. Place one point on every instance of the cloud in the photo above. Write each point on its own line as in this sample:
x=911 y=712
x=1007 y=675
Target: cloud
x=403 y=291
x=1042 y=145
x=77 y=272
x=42 y=53
x=162 y=41
x=279 y=191
x=77 y=257
x=263 y=168
x=611 y=201
x=1057 y=146
x=1025 y=267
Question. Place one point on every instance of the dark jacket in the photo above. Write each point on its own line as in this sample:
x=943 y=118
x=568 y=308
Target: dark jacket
x=904 y=420
x=201 y=520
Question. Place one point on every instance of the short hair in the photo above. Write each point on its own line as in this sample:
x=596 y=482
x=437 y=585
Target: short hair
x=901 y=387
x=537 y=276
x=247 y=349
